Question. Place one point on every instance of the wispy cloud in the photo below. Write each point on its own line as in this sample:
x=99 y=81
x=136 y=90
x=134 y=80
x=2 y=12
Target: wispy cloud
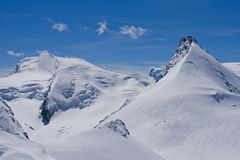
x=15 y=54
x=235 y=30
x=60 y=27
x=102 y=27
x=216 y=32
x=132 y=31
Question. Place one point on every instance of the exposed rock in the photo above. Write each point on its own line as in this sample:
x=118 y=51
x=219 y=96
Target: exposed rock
x=117 y=126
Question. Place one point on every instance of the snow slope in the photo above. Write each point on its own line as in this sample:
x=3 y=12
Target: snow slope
x=106 y=143
x=191 y=113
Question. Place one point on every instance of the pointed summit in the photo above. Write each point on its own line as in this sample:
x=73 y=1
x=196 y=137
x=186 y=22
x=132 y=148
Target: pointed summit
x=182 y=50
x=188 y=39
x=190 y=59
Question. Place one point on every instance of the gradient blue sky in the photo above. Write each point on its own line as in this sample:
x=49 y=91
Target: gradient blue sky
x=26 y=26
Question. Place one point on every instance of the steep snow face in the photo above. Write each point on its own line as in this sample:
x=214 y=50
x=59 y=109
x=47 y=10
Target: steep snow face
x=191 y=113
x=14 y=143
x=16 y=148
x=8 y=122
x=182 y=50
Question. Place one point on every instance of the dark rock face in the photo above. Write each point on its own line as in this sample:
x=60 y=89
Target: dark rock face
x=117 y=126
x=46 y=113
x=181 y=51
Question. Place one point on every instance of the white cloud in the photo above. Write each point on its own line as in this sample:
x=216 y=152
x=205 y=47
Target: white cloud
x=15 y=54
x=102 y=27
x=60 y=27
x=132 y=31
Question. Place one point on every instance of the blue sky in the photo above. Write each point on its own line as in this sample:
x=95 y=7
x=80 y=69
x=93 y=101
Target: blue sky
x=123 y=32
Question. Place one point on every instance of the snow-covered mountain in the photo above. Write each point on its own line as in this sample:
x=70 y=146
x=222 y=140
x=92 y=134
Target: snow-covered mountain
x=191 y=112
x=58 y=101
x=76 y=110
x=47 y=87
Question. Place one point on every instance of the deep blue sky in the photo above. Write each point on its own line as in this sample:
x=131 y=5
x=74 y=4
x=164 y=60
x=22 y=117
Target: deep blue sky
x=27 y=26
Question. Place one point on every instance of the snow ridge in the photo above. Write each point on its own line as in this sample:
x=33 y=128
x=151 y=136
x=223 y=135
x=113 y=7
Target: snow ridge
x=182 y=50
x=114 y=112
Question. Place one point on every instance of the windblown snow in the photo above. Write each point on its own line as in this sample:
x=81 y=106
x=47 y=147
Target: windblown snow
x=71 y=109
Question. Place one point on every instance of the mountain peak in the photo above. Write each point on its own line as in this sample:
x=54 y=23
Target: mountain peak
x=45 y=61
x=181 y=51
x=188 y=39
